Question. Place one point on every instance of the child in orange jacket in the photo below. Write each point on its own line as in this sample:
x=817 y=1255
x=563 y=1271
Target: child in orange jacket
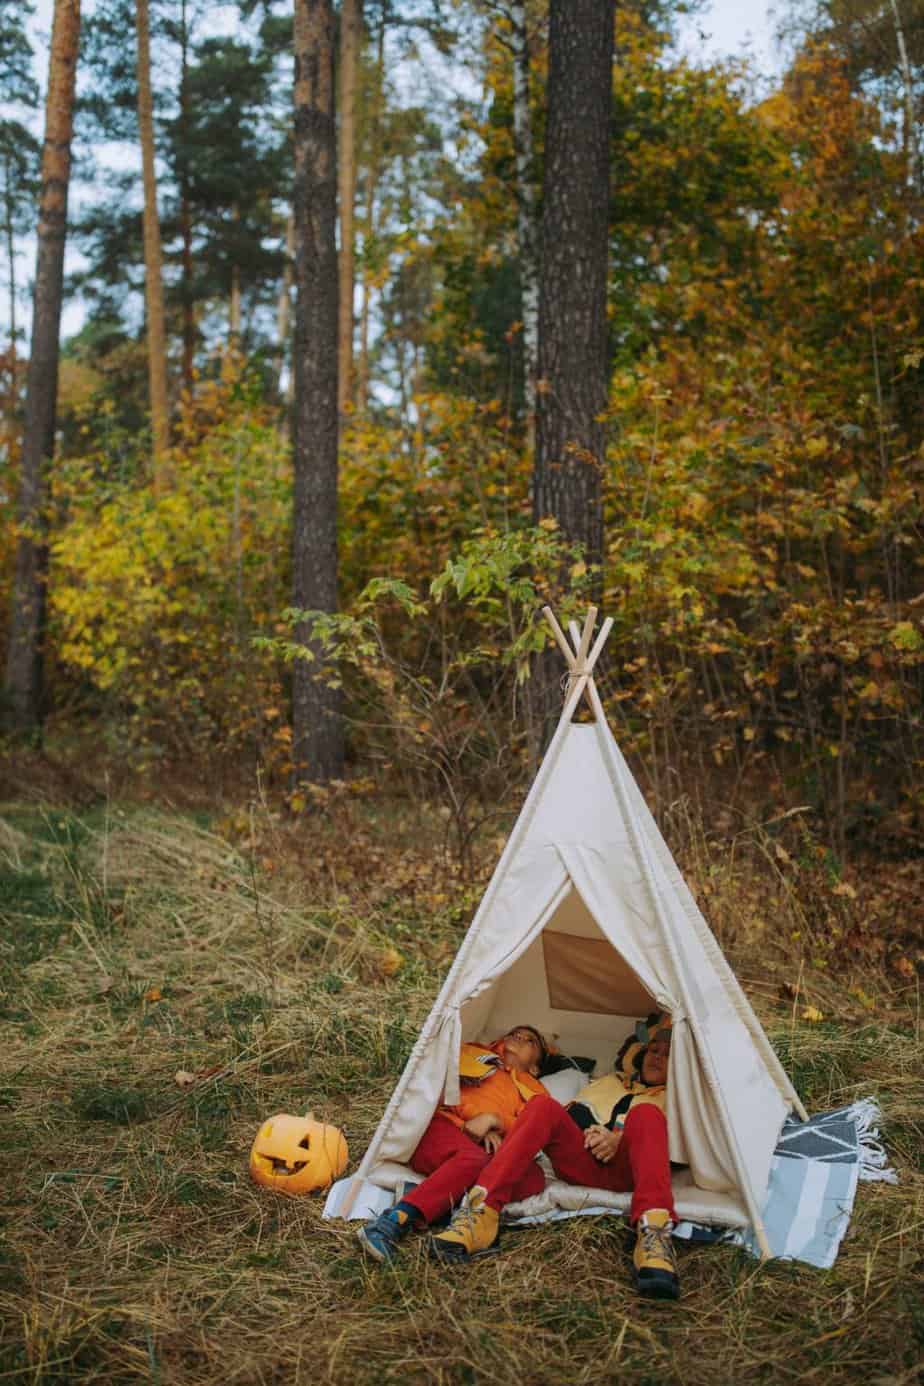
x=496 y=1082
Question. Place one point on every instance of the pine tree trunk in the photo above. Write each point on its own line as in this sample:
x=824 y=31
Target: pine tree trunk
x=572 y=386
x=526 y=212
x=23 y=685
x=571 y=392
x=316 y=720
x=153 y=262
x=351 y=21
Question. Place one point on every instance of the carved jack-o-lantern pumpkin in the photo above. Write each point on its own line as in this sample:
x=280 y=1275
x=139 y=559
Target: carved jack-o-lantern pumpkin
x=296 y=1155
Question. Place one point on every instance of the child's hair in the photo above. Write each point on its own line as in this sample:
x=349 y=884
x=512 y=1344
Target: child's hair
x=629 y=1059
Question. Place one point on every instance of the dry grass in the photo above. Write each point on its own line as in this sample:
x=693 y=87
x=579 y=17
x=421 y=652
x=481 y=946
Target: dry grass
x=136 y=944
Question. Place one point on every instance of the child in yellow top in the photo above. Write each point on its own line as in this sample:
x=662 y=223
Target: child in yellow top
x=603 y=1105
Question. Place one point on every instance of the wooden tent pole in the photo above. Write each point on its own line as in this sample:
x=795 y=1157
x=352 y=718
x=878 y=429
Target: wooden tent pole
x=590 y=621
x=559 y=634
x=598 y=644
x=579 y=660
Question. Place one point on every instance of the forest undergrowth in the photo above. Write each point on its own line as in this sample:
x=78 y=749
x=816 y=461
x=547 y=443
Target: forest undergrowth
x=170 y=976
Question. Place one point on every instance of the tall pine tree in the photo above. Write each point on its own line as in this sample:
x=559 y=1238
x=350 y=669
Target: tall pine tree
x=571 y=389
x=153 y=258
x=19 y=164
x=572 y=383
x=316 y=722
x=24 y=665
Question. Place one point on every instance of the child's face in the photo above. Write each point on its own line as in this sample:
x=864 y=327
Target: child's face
x=522 y=1050
x=654 y=1064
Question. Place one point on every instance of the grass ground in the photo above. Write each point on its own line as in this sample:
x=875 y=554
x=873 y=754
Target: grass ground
x=289 y=966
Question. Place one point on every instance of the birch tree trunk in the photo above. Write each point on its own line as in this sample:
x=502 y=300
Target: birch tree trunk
x=911 y=139
x=316 y=719
x=234 y=308
x=284 y=312
x=11 y=290
x=23 y=683
x=351 y=22
x=373 y=162
x=234 y=302
x=153 y=261
x=187 y=291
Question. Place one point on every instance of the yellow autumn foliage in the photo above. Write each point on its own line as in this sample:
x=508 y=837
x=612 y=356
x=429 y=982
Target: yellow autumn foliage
x=153 y=599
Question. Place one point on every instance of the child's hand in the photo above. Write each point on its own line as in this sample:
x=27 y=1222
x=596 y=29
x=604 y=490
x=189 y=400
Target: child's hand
x=602 y=1143
x=492 y=1142
x=480 y=1126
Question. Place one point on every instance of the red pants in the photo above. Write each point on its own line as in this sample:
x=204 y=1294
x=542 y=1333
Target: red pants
x=641 y=1162
x=454 y=1162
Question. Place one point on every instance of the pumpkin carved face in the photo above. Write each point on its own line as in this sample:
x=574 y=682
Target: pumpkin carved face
x=296 y=1155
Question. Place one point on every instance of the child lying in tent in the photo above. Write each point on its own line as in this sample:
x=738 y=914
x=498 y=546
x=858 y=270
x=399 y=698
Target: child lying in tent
x=496 y=1083
x=613 y=1136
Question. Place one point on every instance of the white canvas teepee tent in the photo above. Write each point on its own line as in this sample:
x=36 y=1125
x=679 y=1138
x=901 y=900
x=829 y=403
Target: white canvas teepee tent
x=586 y=925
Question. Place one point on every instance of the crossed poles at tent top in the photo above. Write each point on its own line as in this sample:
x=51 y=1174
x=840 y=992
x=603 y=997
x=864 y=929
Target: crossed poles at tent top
x=581 y=658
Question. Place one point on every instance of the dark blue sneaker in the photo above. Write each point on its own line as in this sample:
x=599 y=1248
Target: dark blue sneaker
x=380 y=1236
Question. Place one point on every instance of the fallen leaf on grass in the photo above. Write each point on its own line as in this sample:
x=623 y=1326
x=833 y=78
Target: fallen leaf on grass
x=153 y=994
x=813 y=1014
x=184 y=1079
x=391 y=962
x=865 y=1000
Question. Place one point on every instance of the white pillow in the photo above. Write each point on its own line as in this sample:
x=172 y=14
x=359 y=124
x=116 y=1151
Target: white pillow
x=565 y=1085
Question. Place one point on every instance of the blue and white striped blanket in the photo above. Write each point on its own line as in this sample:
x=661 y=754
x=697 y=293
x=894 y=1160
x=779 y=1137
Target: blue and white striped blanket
x=813 y=1182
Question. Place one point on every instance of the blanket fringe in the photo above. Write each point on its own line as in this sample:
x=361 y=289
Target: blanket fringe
x=874 y=1162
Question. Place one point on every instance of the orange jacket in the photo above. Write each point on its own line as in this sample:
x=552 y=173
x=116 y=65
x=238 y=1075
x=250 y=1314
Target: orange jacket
x=505 y=1092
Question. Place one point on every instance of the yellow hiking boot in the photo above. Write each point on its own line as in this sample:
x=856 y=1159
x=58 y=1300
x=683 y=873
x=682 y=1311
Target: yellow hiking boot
x=653 y=1261
x=472 y=1232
